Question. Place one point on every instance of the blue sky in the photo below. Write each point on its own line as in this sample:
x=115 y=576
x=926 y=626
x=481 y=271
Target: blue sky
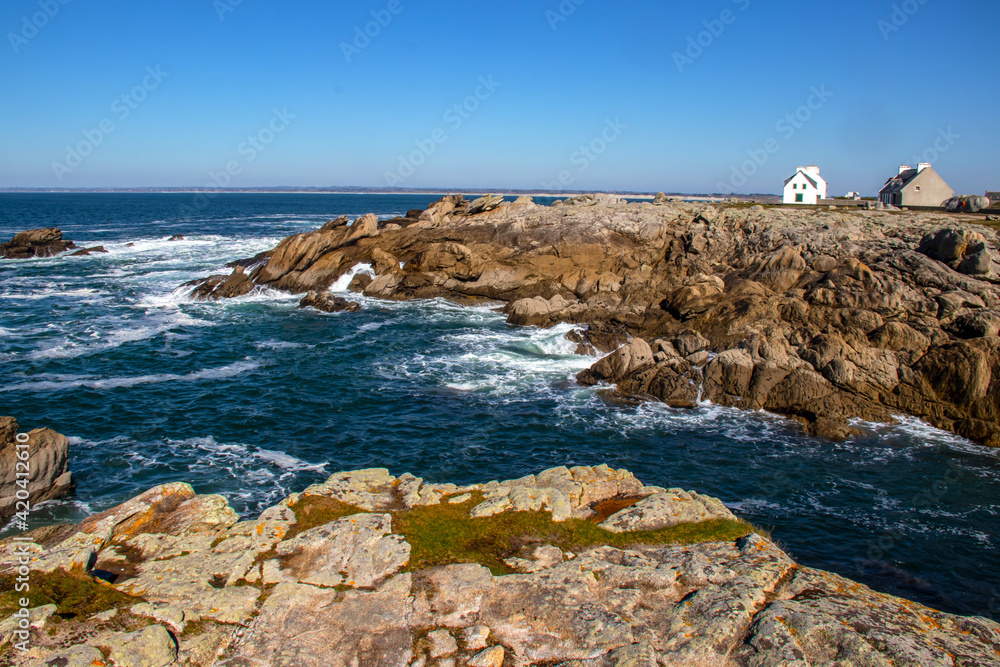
x=595 y=95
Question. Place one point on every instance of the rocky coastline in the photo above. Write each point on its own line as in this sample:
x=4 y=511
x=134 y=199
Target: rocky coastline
x=581 y=567
x=825 y=316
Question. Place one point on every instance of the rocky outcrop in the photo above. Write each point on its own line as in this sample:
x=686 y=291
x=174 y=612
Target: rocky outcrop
x=47 y=466
x=339 y=575
x=35 y=243
x=218 y=287
x=328 y=303
x=825 y=316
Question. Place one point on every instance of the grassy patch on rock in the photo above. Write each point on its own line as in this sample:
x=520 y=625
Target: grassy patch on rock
x=75 y=595
x=446 y=534
x=315 y=511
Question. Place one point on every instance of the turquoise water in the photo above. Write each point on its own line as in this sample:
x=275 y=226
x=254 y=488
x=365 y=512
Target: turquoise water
x=254 y=399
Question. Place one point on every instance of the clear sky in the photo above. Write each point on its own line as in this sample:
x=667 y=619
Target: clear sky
x=582 y=94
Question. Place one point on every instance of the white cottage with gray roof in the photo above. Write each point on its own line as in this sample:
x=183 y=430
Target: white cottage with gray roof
x=805 y=187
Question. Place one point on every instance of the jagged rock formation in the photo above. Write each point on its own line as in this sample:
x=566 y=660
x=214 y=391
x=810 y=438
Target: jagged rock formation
x=823 y=316
x=48 y=466
x=328 y=577
x=218 y=287
x=35 y=243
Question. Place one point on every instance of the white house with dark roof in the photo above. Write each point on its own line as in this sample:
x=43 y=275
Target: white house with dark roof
x=805 y=187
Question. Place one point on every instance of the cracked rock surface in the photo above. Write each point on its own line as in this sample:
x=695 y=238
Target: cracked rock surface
x=270 y=592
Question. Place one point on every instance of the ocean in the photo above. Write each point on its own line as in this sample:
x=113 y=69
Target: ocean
x=254 y=399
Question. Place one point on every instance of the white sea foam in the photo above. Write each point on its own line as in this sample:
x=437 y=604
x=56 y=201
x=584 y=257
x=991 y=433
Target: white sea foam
x=279 y=345
x=151 y=327
x=52 y=292
x=287 y=462
x=88 y=382
x=250 y=476
x=340 y=287
x=503 y=363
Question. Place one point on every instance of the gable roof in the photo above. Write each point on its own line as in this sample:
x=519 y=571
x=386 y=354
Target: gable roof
x=897 y=183
x=808 y=178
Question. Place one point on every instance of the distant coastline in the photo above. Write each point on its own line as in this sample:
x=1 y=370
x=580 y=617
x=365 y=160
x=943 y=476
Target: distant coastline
x=384 y=191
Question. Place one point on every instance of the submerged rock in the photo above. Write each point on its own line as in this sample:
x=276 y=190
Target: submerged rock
x=329 y=303
x=35 y=243
x=85 y=252
x=308 y=595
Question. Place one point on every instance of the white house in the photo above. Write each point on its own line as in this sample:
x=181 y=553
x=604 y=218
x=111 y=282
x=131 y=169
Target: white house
x=805 y=187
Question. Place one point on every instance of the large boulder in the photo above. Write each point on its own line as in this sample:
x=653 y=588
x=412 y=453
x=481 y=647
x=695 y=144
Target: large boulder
x=962 y=250
x=35 y=243
x=698 y=295
x=627 y=359
x=48 y=463
x=967 y=204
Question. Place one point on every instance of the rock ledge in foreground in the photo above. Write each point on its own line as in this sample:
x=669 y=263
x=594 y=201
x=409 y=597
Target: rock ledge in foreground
x=371 y=569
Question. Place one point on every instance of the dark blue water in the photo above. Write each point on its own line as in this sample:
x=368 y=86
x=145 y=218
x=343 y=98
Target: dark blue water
x=255 y=399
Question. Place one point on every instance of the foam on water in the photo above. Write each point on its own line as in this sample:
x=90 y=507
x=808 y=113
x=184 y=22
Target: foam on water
x=70 y=346
x=501 y=363
x=340 y=287
x=286 y=462
x=103 y=384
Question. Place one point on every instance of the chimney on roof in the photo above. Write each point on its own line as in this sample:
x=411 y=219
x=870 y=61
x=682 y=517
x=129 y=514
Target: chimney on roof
x=904 y=167
x=812 y=169
x=922 y=166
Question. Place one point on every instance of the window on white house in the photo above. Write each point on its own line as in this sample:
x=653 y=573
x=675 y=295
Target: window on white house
x=918 y=188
